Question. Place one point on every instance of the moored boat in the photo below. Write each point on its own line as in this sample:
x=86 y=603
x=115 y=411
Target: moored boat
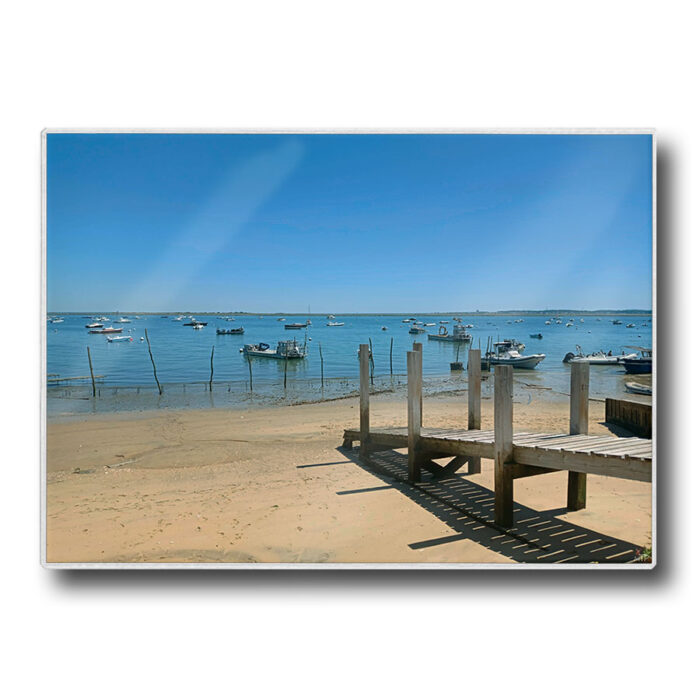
x=109 y=330
x=230 y=331
x=597 y=358
x=637 y=388
x=94 y=325
x=296 y=326
x=119 y=339
x=536 y=335
x=286 y=350
x=506 y=352
x=639 y=365
x=416 y=329
x=194 y=322
x=334 y=323
x=459 y=334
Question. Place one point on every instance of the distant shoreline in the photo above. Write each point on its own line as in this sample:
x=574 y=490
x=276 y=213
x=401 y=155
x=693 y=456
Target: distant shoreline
x=545 y=312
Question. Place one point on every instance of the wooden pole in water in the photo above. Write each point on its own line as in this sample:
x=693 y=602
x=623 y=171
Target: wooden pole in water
x=578 y=425
x=250 y=372
x=211 y=362
x=320 y=352
x=371 y=363
x=285 y=371
x=153 y=362
x=364 y=401
x=418 y=347
x=415 y=381
x=503 y=445
x=474 y=413
x=391 y=357
x=92 y=376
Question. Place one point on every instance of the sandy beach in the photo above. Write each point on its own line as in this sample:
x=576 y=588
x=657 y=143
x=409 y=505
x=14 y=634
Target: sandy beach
x=274 y=485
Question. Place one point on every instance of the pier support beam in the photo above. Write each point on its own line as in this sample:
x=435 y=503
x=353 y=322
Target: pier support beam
x=578 y=425
x=503 y=445
x=418 y=347
x=474 y=412
x=364 y=400
x=415 y=385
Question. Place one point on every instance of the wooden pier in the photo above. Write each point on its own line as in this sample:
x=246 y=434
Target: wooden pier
x=516 y=454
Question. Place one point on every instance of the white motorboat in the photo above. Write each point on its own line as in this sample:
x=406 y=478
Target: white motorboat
x=119 y=339
x=124 y=320
x=598 y=358
x=94 y=325
x=197 y=326
x=637 y=388
x=506 y=352
x=286 y=350
x=333 y=323
x=415 y=329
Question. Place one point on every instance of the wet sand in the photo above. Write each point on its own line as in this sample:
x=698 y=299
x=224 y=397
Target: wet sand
x=273 y=485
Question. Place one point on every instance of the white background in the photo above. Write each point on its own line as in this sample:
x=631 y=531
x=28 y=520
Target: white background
x=326 y=65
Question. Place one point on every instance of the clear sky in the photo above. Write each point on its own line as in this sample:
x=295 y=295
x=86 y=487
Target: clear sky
x=348 y=223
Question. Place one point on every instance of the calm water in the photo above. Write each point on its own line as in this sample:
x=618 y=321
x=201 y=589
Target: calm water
x=182 y=357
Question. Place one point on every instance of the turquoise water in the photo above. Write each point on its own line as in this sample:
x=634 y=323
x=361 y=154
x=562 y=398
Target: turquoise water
x=182 y=357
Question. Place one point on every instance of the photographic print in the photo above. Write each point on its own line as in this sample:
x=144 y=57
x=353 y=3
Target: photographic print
x=349 y=349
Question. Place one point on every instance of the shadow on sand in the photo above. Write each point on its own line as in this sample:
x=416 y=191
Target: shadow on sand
x=537 y=537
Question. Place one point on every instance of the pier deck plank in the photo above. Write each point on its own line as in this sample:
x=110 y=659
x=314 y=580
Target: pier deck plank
x=620 y=457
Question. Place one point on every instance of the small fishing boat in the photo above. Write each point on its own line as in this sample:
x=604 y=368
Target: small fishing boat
x=597 y=358
x=428 y=324
x=296 y=326
x=569 y=324
x=124 y=320
x=617 y=323
x=330 y=317
x=56 y=320
x=639 y=365
x=459 y=334
x=94 y=325
x=630 y=325
x=119 y=339
x=109 y=330
x=333 y=323
x=547 y=323
x=230 y=331
x=286 y=350
x=637 y=388
x=536 y=335
x=197 y=326
x=506 y=352
x=281 y=319
x=384 y=328
x=416 y=329
x=194 y=322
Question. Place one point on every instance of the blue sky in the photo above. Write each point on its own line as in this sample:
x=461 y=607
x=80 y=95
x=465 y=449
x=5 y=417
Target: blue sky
x=348 y=223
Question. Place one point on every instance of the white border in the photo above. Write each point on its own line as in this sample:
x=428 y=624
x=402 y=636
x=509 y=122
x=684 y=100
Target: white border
x=347 y=566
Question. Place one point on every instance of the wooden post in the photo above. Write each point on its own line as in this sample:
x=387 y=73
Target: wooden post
x=415 y=381
x=371 y=363
x=320 y=352
x=503 y=445
x=391 y=357
x=474 y=414
x=364 y=400
x=250 y=372
x=418 y=347
x=160 y=390
x=211 y=362
x=285 y=371
x=92 y=376
x=578 y=425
